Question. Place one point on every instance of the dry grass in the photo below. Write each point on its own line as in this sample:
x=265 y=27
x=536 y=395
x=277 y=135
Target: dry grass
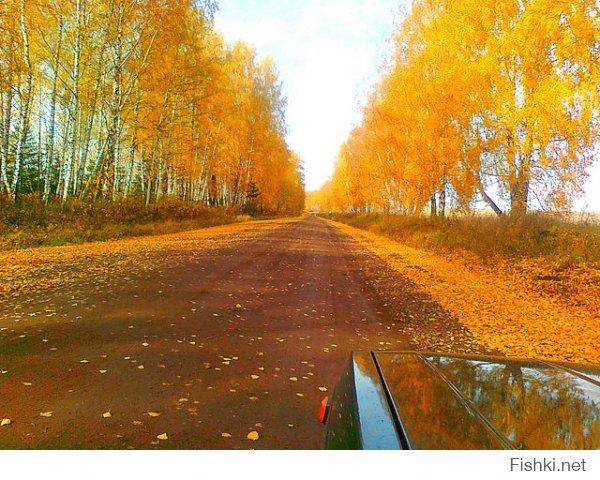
x=30 y=223
x=501 y=310
x=569 y=241
x=555 y=257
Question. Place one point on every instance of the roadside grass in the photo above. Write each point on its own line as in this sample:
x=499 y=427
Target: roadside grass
x=564 y=243
x=552 y=256
x=30 y=223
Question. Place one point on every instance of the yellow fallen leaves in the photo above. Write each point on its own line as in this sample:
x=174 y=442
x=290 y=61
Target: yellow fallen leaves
x=254 y=436
x=322 y=389
x=226 y=435
x=163 y=436
x=5 y=422
x=46 y=414
x=107 y=415
x=25 y=270
x=293 y=379
x=254 y=377
x=103 y=371
x=501 y=311
x=153 y=414
x=140 y=367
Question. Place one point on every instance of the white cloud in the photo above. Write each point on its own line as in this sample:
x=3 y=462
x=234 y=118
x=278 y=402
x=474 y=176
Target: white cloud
x=260 y=33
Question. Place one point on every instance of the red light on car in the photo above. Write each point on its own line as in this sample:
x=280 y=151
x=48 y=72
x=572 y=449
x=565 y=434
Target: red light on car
x=324 y=410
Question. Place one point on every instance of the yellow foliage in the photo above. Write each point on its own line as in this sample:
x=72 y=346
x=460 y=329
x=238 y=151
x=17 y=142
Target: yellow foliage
x=479 y=94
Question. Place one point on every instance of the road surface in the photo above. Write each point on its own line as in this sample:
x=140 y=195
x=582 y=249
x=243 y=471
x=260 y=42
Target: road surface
x=202 y=340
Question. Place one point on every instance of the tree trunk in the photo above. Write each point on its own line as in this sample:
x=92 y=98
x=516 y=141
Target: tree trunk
x=433 y=202
x=7 y=106
x=443 y=201
x=25 y=106
x=491 y=203
x=52 y=125
x=74 y=110
x=519 y=191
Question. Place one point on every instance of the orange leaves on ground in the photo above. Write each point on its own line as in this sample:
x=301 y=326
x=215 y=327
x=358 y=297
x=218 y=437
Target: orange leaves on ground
x=500 y=311
x=50 y=268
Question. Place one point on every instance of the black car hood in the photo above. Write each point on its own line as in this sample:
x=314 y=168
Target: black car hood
x=454 y=402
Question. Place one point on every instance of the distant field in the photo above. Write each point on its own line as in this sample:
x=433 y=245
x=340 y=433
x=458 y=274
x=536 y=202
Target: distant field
x=570 y=217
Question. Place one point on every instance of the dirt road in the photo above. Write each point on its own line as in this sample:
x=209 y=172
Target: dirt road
x=220 y=336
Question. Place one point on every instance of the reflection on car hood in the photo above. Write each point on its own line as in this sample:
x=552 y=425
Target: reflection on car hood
x=452 y=402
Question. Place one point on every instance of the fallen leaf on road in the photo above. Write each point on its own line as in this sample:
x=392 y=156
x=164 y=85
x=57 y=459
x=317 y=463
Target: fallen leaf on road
x=107 y=414
x=103 y=371
x=46 y=414
x=226 y=435
x=254 y=377
x=27 y=384
x=253 y=436
x=84 y=361
x=299 y=394
x=5 y=422
x=322 y=389
x=141 y=367
x=162 y=436
x=154 y=414
x=145 y=344
x=293 y=379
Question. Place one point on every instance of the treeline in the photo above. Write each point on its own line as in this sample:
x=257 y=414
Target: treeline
x=489 y=100
x=107 y=99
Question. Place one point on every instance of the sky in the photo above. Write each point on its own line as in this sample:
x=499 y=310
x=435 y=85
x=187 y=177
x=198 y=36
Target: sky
x=328 y=53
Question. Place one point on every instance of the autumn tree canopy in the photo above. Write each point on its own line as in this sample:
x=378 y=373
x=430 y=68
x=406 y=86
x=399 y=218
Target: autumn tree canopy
x=483 y=99
x=115 y=98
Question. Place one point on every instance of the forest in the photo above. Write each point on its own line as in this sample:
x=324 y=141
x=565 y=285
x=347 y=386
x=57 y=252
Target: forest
x=138 y=101
x=495 y=102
